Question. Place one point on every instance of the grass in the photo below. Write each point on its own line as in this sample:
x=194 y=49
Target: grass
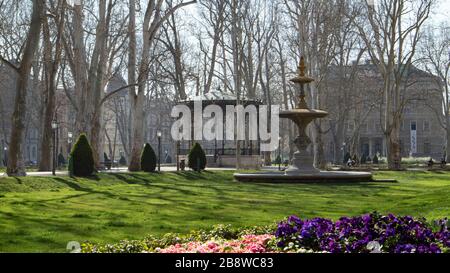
x=42 y=214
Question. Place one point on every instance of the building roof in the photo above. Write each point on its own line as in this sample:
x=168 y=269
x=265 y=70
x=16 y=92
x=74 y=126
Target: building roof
x=413 y=71
x=219 y=97
x=116 y=82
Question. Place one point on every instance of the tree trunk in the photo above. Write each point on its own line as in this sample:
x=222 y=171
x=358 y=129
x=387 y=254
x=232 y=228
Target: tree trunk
x=319 y=152
x=393 y=147
x=50 y=71
x=97 y=83
x=16 y=165
x=447 y=150
x=79 y=73
x=138 y=130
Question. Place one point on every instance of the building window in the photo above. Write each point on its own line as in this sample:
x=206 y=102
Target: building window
x=426 y=126
x=413 y=126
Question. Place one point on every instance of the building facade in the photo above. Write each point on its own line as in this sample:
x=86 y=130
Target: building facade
x=355 y=101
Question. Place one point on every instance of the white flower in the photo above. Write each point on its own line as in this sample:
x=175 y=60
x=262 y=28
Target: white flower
x=374 y=247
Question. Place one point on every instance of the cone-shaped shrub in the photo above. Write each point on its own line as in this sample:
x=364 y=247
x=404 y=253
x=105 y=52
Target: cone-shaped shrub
x=197 y=158
x=278 y=160
x=375 y=160
x=122 y=161
x=347 y=157
x=81 y=162
x=148 y=159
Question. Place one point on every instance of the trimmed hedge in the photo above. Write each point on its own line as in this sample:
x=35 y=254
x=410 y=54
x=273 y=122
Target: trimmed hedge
x=122 y=161
x=148 y=159
x=197 y=158
x=81 y=162
x=375 y=160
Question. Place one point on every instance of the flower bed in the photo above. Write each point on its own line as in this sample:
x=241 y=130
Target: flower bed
x=367 y=233
x=364 y=234
x=247 y=244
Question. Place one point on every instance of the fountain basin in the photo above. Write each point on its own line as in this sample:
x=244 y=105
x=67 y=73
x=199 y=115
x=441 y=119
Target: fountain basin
x=303 y=113
x=320 y=177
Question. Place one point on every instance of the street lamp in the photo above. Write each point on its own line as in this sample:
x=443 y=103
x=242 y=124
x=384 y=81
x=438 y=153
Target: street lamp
x=159 y=134
x=54 y=127
x=5 y=156
x=279 y=153
x=69 y=140
x=178 y=156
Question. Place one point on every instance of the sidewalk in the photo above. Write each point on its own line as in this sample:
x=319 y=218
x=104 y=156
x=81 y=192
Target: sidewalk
x=117 y=170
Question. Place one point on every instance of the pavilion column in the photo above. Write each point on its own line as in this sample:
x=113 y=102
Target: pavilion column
x=224 y=134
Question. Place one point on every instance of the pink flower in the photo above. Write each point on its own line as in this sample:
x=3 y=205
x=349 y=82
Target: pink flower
x=247 y=244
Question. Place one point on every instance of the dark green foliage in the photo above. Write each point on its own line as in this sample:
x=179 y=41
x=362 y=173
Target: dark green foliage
x=278 y=160
x=81 y=161
x=148 y=159
x=61 y=160
x=375 y=160
x=197 y=158
x=122 y=161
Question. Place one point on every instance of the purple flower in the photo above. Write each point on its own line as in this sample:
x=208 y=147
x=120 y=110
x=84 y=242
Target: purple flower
x=394 y=234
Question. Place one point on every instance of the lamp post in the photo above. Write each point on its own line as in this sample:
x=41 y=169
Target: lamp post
x=279 y=153
x=344 y=152
x=54 y=127
x=5 y=156
x=1 y=156
x=178 y=156
x=69 y=141
x=158 y=134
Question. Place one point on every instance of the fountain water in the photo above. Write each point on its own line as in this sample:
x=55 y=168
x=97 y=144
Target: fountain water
x=302 y=168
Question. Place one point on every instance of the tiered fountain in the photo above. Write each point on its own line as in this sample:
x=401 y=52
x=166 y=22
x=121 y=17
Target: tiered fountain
x=302 y=168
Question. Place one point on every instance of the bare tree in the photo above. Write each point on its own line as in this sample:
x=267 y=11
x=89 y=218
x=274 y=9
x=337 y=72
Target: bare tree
x=154 y=17
x=52 y=59
x=16 y=165
x=391 y=31
x=435 y=57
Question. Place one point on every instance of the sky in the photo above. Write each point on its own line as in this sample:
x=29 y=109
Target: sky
x=442 y=13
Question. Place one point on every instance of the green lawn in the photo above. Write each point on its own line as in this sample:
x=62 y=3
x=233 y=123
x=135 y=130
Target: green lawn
x=43 y=214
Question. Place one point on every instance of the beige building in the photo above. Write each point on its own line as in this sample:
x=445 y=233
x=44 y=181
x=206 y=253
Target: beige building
x=357 y=110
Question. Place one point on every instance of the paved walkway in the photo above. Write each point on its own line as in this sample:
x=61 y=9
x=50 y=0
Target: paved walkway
x=118 y=170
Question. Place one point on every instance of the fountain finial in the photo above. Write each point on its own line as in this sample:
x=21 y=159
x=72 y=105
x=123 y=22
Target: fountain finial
x=302 y=67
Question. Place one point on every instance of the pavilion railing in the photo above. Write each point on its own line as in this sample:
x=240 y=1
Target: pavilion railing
x=220 y=151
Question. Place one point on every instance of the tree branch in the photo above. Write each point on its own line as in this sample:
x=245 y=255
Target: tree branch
x=8 y=63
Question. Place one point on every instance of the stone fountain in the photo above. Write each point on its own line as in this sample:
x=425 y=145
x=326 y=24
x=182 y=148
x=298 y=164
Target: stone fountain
x=302 y=168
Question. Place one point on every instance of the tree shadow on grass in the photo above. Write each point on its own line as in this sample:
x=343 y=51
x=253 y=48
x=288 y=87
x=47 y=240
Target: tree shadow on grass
x=128 y=178
x=78 y=187
x=192 y=175
x=145 y=182
x=72 y=185
x=19 y=181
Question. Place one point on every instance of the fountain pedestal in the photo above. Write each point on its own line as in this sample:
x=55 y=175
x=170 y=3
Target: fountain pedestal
x=302 y=164
x=303 y=161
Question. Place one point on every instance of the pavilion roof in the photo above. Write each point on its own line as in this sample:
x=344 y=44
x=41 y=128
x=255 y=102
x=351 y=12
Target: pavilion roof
x=218 y=96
